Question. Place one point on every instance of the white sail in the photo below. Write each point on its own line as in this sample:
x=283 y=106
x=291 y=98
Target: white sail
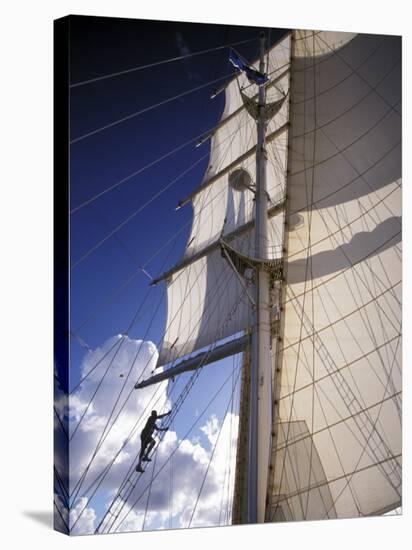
x=337 y=451
x=219 y=205
x=206 y=301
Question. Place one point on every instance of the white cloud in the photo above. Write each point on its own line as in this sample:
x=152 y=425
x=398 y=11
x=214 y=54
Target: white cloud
x=86 y=523
x=211 y=429
x=175 y=490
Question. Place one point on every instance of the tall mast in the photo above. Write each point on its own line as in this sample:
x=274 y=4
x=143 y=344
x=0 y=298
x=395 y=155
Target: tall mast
x=260 y=375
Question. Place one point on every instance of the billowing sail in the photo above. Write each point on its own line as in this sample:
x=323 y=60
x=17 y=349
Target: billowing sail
x=337 y=446
x=206 y=300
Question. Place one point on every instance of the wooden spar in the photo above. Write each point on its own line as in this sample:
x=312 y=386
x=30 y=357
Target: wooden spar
x=199 y=360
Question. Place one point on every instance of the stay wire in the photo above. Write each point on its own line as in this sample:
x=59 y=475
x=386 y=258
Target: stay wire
x=214 y=449
x=178 y=446
x=97 y=448
x=64 y=495
x=122 y=499
x=133 y=276
x=348 y=477
x=125 y=516
x=126 y=283
x=149 y=108
x=105 y=433
x=366 y=416
x=146 y=167
x=195 y=327
x=360 y=75
x=139 y=209
x=89 y=372
x=156 y=64
x=191 y=381
x=310 y=259
x=106 y=470
x=60 y=421
x=140 y=170
x=143 y=206
x=131 y=324
x=61 y=516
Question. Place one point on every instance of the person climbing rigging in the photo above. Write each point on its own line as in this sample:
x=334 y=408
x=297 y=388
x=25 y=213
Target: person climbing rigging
x=147 y=441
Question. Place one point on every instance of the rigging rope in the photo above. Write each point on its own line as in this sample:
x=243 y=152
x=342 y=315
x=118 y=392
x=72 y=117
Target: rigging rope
x=105 y=436
x=139 y=209
x=362 y=411
x=156 y=161
x=309 y=247
x=147 y=203
x=347 y=481
x=116 y=343
x=121 y=342
x=63 y=427
x=184 y=393
x=360 y=75
x=157 y=63
x=61 y=516
x=107 y=468
x=62 y=489
x=89 y=372
x=120 y=288
x=139 y=171
x=215 y=396
x=193 y=378
x=106 y=433
x=149 y=108
x=147 y=166
x=214 y=449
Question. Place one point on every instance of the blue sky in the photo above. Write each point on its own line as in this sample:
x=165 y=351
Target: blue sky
x=99 y=46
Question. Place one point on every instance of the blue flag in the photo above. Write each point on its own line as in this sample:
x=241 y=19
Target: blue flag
x=253 y=75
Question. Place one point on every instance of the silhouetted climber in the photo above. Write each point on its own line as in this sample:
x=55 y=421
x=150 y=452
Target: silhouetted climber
x=147 y=441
